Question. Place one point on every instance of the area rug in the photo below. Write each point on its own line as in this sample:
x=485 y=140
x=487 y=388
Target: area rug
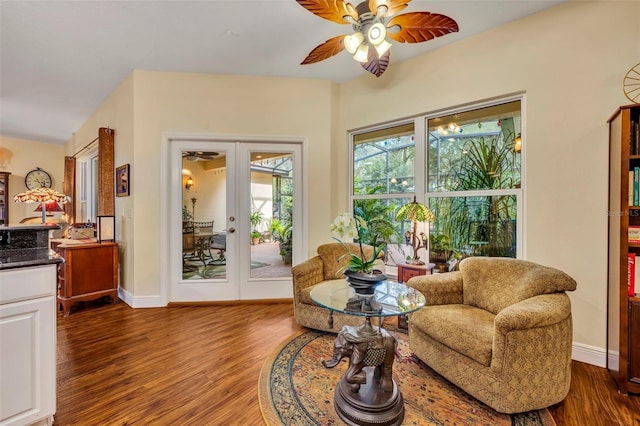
x=295 y=389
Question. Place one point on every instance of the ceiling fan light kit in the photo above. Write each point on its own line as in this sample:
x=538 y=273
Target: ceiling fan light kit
x=373 y=21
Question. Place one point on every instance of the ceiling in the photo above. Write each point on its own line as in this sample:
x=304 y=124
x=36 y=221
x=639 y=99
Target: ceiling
x=59 y=60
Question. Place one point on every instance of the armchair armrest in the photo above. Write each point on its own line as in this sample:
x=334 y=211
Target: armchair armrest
x=306 y=274
x=439 y=289
x=537 y=311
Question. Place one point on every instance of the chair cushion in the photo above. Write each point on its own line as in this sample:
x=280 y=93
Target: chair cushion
x=335 y=259
x=465 y=329
x=494 y=283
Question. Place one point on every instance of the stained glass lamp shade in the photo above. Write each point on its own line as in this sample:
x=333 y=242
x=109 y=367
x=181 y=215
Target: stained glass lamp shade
x=416 y=212
x=42 y=195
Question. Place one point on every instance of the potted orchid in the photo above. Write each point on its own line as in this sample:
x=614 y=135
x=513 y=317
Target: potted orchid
x=360 y=270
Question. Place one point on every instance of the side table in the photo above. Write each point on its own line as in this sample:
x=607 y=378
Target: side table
x=89 y=272
x=367 y=395
x=407 y=271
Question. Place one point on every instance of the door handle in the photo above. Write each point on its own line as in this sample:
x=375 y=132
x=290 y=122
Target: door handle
x=231 y=230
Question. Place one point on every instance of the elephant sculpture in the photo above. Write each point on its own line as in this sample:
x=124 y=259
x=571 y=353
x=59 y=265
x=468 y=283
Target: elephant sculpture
x=365 y=350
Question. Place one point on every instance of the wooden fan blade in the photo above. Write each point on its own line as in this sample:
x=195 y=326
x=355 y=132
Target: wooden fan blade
x=331 y=47
x=417 y=27
x=332 y=10
x=376 y=65
x=393 y=6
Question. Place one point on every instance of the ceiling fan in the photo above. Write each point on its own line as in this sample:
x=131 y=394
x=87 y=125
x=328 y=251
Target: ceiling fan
x=199 y=155
x=372 y=22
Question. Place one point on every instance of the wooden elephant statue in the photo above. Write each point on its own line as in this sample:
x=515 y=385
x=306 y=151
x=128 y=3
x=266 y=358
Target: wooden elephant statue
x=365 y=350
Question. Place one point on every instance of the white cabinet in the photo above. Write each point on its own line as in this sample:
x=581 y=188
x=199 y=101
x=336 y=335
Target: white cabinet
x=28 y=345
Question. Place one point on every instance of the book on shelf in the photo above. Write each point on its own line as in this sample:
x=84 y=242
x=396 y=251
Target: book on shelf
x=635 y=137
x=630 y=202
x=634 y=187
x=634 y=145
x=633 y=272
x=634 y=234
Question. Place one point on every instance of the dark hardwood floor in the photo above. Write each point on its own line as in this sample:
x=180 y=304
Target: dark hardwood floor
x=200 y=366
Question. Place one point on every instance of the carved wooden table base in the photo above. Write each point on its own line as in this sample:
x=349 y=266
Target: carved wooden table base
x=367 y=393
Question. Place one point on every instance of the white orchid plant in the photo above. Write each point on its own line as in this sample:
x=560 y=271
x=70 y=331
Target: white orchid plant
x=353 y=227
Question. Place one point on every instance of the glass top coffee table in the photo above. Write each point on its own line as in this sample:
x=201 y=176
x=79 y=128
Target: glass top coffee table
x=367 y=393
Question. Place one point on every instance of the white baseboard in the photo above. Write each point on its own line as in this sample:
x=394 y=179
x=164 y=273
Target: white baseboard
x=591 y=355
x=140 y=301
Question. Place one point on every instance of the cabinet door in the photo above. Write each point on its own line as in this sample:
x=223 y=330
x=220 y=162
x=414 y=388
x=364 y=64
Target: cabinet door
x=91 y=269
x=27 y=371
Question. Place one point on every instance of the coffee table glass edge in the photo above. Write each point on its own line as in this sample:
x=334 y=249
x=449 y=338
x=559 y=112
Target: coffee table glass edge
x=390 y=298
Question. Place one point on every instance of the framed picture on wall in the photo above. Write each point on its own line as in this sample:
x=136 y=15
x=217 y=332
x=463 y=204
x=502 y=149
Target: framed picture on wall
x=122 y=181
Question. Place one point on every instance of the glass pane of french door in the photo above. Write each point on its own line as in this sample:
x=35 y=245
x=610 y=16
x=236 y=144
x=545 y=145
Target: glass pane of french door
x=271 y=214
x=204 y=233
x=269 y=190
x=203 y=225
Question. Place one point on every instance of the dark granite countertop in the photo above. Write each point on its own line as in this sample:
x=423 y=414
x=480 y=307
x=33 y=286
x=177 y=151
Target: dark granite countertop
x=46 y=226
x=28 y=245
x=22 y=258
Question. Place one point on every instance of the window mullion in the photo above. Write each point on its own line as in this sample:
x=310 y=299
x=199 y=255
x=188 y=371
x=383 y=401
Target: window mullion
x=475 y=193
x=420 y=163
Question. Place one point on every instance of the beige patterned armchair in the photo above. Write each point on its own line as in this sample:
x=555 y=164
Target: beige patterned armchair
x=500 y=329
x=328 y=265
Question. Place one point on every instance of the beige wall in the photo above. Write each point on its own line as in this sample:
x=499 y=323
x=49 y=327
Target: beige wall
x=19 y=156
x=116 y=112
x=210 y=192
x=570 y=60
x=221 y=105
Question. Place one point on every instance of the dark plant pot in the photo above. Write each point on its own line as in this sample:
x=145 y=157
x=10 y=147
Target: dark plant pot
x=287 y=258
x=364 y=283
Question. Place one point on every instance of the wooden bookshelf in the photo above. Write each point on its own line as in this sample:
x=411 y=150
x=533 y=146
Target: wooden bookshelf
x=4 y=198
x=623 y=310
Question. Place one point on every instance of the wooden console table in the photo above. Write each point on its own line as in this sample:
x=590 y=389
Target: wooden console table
x=89 y=272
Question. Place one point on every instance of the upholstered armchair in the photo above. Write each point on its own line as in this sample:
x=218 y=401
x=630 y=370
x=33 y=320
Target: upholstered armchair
x=500 y=329
x=329 y=264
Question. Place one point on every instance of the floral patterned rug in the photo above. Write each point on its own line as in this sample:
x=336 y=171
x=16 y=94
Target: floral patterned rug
x=295 y=389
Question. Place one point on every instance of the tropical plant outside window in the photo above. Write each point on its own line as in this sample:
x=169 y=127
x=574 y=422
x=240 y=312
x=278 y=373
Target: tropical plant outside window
x=470 y=178
x=384 y=180
x=474 y=180
x=280 y=226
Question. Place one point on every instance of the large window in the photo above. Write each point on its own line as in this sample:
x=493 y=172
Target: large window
x=87 y=191
x=384 y=178
x=466 y=165
x=384 y=159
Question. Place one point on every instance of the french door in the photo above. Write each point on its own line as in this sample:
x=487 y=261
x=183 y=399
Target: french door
x=235 y=215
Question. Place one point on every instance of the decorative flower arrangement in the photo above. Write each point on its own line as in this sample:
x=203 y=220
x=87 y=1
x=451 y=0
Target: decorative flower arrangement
x=354 y=227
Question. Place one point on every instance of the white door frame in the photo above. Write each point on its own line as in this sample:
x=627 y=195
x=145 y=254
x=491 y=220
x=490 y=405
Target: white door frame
x=170 y=211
